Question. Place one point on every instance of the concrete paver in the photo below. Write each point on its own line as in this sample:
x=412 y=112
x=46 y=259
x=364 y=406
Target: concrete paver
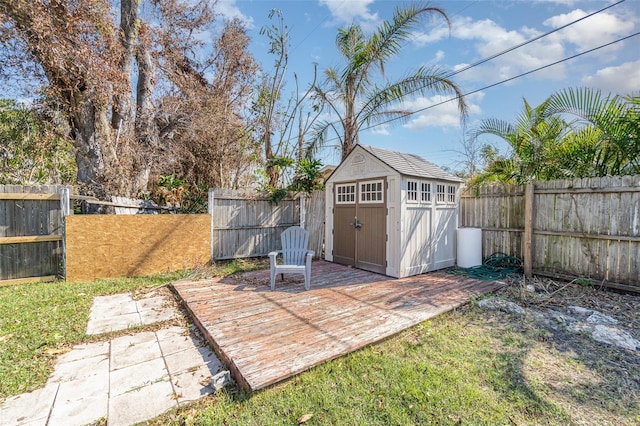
x=175 y=339
x=192 y=384
x=143 y=374
x=29 y=408
x=83 y=367
x=141 y=404
x=134 y=349
x=80 y=401
x=128 y=379
x=121 y=311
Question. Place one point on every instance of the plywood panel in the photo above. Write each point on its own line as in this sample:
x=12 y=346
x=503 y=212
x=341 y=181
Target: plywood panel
x=113 y=246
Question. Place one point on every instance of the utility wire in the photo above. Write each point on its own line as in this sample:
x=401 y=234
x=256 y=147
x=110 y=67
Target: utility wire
x=484 y=60
x=506 y=80
x=511 y=49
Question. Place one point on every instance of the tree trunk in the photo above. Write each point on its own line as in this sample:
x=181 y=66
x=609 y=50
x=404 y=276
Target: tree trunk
x=145 y=125
x=121 y=116
x=98 y=169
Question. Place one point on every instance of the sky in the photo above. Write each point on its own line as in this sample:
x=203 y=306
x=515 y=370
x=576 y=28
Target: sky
x=479 y=30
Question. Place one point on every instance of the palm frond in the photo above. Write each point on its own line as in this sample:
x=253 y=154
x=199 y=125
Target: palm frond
x=319 y=137
x=423 y=81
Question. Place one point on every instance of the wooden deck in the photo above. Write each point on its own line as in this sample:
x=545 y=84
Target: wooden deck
x=267 y=336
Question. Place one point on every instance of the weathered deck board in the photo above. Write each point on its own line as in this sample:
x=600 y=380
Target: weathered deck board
x=268 y=336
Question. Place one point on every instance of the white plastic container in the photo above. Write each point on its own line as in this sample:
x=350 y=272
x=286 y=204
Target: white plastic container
x=469 y=247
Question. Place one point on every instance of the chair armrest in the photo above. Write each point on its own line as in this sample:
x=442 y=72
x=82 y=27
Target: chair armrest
x=272 y=259
x=311 y=252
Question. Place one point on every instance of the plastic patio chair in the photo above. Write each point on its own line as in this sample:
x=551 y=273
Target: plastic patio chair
x=296 y=258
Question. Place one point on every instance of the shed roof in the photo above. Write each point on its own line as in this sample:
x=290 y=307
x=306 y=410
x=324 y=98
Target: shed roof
x=410 y=164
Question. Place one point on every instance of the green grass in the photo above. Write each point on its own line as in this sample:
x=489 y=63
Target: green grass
x=41 y=320
x=464 y=367
x=445 y=371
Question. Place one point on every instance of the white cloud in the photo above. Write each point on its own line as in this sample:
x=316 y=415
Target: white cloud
x=591 y=32
x=439 y=111
x=380 y=129
x=622 y=79
x=563 y=2
x=352 y=11
x=228 y=9
x=490 y=39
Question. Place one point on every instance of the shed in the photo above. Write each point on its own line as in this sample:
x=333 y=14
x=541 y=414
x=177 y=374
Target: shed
x=391 y=212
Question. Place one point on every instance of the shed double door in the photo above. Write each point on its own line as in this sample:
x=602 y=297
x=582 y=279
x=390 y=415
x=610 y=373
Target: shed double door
x=359 y=224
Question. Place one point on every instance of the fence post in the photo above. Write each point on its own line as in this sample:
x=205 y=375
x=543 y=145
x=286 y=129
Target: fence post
x=303 y=212
x=528 y=229
x=65 y=210
x=210 y=211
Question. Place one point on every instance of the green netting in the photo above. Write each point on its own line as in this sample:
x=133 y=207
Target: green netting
x=497 y=266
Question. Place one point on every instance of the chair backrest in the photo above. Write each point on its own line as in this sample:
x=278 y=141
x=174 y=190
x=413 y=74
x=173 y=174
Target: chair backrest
x=295 y=241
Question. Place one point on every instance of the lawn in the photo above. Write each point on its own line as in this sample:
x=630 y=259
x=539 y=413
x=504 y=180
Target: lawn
x=42 y=320
x=468 y=366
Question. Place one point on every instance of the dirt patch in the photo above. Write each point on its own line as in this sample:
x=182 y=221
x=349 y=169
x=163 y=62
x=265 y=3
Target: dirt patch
x=595 y=382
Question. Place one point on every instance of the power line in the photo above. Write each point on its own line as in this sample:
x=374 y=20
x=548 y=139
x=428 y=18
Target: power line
x=484 y=60
x=506 y=80
x=511 y=49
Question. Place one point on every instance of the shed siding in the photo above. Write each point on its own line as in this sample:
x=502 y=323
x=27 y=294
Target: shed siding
x=417 y=252
x=328 y=221
x=421 y=234
x=428 y=230
x=369 y=168
x=393 y=226
x=444 y=237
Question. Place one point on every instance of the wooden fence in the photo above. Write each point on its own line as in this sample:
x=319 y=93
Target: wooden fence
x=248 y=225
x=30 y=233
x=584 y=228
x=581 y=228
x=314 y=221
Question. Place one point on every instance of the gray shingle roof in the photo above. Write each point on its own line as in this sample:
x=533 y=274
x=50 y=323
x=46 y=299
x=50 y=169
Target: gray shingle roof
x=410 y=164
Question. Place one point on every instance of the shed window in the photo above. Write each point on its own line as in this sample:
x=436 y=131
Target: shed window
x=371 y=192
x=451 y=194
x=412 y=191
x=440 y=195
x=346 y=193
x=425 y=192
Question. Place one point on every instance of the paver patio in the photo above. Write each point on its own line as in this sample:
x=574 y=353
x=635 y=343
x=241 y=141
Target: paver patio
x=268 y=336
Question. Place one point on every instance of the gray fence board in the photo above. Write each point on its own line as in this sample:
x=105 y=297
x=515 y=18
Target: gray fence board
x=246 y=224
x=28 y=218
x=584 y=228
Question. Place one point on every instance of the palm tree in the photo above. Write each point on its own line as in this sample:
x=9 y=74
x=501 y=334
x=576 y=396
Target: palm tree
x=534 y=140
x=350 y=93
x=602 y=140
x=611 y=123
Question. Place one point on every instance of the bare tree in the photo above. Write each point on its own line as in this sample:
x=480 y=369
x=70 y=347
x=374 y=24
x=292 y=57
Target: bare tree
x=278 y=117
x=209 y=127
x=88 y=63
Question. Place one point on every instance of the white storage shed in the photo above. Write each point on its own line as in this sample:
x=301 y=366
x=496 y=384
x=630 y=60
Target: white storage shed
x=391 y=213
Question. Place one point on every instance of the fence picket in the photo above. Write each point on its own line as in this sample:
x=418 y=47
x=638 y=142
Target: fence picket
x=586 y=227
x=30 y=233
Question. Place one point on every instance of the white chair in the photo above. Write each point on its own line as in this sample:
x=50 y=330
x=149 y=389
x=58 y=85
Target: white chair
x=296 y=258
